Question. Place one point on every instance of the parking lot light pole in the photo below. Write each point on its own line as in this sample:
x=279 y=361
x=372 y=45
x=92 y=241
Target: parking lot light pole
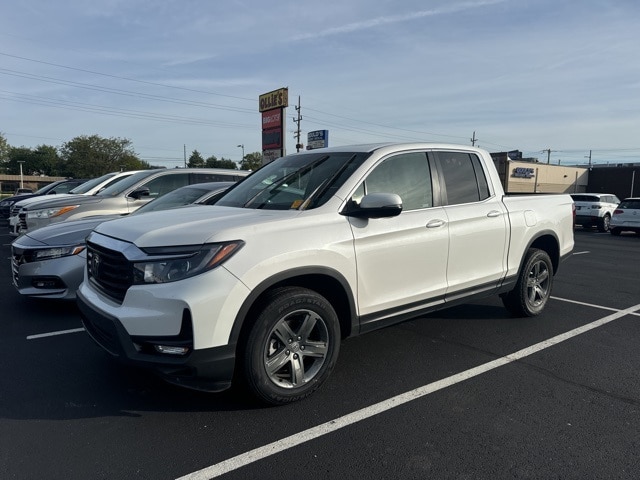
x=21 y=177
x=242 y=146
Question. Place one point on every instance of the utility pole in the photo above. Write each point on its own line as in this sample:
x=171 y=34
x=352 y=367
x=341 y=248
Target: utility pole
x=185 y=155
x=474 y=139
x=297 y=121
x=548 y=150
x=589 y=157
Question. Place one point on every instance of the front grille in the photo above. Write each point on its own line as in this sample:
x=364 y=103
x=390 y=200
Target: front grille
x=23 y=220
x=17 y=259
x=109 y=270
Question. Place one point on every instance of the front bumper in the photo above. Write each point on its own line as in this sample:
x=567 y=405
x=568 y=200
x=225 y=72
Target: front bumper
x=209 y=369
x=57 y=278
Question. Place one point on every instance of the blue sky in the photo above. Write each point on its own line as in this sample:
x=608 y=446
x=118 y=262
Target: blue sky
x=523 y=74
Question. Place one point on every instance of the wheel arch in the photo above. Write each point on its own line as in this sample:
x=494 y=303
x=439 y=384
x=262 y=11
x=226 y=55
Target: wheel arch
x=327 y=282
x=546 y=240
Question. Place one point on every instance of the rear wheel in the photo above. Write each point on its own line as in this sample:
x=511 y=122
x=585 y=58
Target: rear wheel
x=533 y=288
x=292 y=347
x=605 y=223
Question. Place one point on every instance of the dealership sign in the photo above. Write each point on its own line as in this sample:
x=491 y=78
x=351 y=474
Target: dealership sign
x=317 y=139
x=523 y=172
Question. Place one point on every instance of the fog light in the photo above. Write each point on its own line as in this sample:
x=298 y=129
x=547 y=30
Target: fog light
x=171 y=350
x=47 y=282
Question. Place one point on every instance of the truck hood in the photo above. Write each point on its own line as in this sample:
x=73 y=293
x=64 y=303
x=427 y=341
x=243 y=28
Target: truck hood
x=192 y=225
x=73 y=232
x=64 y=200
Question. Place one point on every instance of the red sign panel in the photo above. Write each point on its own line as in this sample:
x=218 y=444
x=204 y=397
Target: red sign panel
x=272 y=118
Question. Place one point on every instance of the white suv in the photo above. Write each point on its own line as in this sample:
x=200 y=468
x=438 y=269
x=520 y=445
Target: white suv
x=595 y=209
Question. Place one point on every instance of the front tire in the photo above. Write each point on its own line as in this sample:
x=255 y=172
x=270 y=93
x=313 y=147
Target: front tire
x=533 y=288
x=292 y=346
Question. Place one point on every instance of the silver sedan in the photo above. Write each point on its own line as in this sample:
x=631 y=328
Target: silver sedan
x=49 y=262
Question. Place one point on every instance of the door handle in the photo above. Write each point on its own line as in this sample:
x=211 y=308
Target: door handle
x=494 y=213
x=435 y=223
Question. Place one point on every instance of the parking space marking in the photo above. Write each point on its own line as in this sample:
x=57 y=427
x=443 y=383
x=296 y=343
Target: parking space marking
x=53 y=334
x=601 y=307
x=296 y=439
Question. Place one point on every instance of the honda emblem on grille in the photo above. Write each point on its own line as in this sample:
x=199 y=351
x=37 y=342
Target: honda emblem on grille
x=95 y=264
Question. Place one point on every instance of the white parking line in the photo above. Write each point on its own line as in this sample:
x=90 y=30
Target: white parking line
x=260 y=453
x=53 y=334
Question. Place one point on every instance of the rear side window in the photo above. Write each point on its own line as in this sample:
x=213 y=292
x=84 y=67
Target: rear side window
x=203 y=177
x=463 y=177
x=585 y=198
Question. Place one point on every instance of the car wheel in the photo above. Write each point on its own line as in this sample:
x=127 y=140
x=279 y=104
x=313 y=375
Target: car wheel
x=605 y=223
x=615 y=231
x=292 y=346
x=533 y=288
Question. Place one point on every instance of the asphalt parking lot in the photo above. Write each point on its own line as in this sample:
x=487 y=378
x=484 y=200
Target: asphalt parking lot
x=465 y=393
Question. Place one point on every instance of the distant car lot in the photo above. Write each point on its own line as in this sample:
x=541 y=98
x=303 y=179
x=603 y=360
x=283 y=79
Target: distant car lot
x=567 y=411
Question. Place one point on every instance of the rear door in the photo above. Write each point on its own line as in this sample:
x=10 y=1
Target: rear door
x=478 y=225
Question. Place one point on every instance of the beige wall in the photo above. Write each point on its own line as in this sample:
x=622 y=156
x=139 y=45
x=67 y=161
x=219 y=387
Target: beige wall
x=546 y=178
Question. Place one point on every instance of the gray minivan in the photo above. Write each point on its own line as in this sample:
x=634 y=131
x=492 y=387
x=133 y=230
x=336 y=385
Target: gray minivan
x=123 y=197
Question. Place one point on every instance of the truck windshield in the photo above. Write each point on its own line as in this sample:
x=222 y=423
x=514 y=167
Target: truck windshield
x=298 y=181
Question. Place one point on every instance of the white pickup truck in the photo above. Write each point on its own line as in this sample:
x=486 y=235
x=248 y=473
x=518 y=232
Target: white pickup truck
x=312 y=248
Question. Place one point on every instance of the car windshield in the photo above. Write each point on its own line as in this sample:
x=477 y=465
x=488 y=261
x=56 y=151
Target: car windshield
x=297 y=181
x=89 y=184
x=177 y=198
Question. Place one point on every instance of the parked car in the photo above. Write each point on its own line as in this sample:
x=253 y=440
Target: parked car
x=595 y=209
x=311 y=248
x=626 y=218
x=49 y=262
x=123 y=197
x=60 y=186
x=90 y=187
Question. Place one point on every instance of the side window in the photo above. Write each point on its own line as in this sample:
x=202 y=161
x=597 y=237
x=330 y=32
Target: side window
x=214 y=177
x=463 y=177
x=166 y=183
x=406 y=174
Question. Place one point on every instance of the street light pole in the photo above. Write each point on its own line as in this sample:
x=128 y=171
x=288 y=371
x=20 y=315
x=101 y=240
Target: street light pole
x=21 y=177
x=242 y=146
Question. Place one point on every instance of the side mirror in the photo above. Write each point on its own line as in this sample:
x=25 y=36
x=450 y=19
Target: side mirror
x=140 y=192
x=376 y=205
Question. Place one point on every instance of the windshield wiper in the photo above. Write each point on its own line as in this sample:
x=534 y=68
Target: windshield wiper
x=274 y=187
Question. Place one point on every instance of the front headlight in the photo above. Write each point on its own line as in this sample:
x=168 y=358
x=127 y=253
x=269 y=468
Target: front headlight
x=57 y=252
x=51 y=212
x=177 y=264
x=6 y=203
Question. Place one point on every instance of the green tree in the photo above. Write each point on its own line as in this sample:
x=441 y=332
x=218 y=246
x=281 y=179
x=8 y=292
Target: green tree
x=251 y=161
x=44 y=160
x=195 y=160
x=92 y=156
x=213 y=162
x=4 y=152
